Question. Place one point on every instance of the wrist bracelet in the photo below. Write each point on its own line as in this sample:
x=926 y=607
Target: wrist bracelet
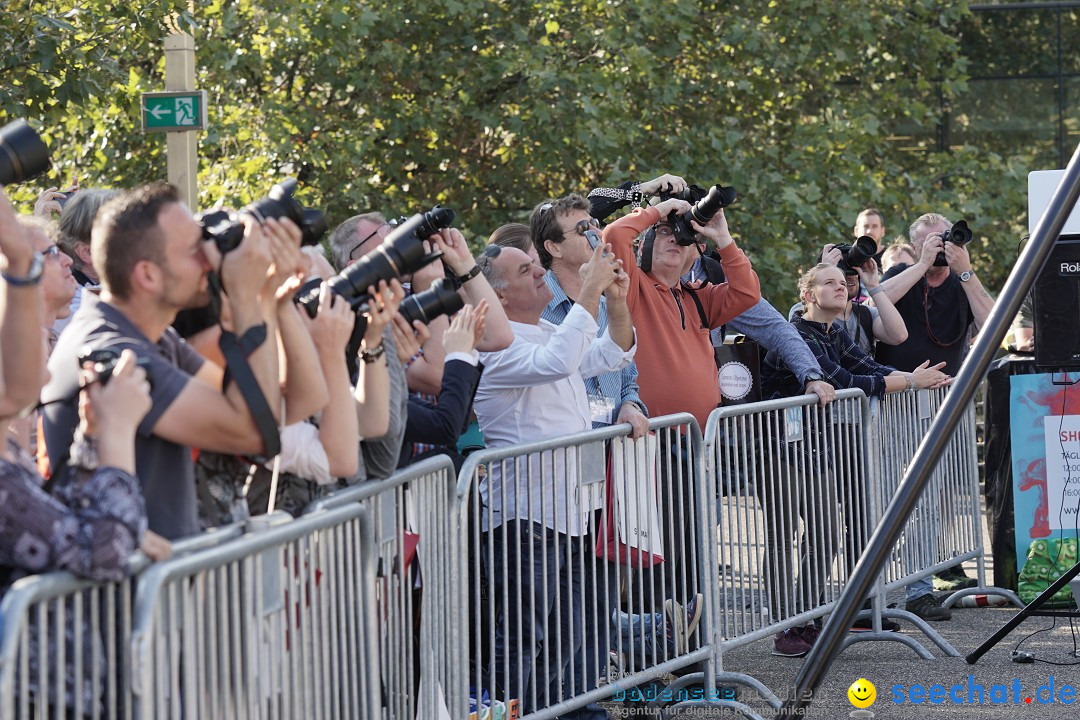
x=370 y=356
x=84 y=451
x=416 y=356
x=875 y=291
x=910 y=381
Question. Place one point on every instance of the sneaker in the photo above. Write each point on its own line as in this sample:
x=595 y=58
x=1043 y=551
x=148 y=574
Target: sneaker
x=809 y=633
x=681 y=622
x=953 y=578
x=928 y=607
x=790 y=644
x=867 y=625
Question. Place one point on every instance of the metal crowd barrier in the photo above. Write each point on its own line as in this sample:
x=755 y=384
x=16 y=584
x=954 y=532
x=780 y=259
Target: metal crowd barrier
x=420 y=615
x=84 y=628
x=945 y=529
x=590 y=567
x=792 y=513
x=270 y=625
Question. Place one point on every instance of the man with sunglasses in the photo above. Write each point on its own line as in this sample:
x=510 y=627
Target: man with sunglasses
x=564 y=236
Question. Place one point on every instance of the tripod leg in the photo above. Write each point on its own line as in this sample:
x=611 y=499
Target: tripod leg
x=974 y=655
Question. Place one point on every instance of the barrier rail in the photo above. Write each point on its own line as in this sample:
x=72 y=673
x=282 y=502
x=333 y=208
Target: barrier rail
x=792 y=509
x=565 y=539
x=421 y=631
x=557 y=573
x=945 y=528
x=272 y=624
x=86 y=625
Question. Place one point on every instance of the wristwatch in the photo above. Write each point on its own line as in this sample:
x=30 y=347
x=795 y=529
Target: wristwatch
x=966 y=275
x=813 y=376
x=32 y=277
x=462 y=279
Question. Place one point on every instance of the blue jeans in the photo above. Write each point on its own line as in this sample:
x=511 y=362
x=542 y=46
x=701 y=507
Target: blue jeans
x=538 y=612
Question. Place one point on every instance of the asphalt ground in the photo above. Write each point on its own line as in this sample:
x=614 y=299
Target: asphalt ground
x=898 y=674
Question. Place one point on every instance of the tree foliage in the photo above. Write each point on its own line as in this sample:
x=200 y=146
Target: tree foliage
x=812 y=110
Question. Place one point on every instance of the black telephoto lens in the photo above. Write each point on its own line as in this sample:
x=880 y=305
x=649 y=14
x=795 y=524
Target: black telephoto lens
x=434 y=302
x=23 y=154
x=958 y=234
x=401 y=253
x=280 y=203
x=708 y=206
x=861 y=250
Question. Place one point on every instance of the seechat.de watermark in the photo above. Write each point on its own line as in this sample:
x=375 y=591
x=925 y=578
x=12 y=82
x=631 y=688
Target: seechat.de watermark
x=974 y=693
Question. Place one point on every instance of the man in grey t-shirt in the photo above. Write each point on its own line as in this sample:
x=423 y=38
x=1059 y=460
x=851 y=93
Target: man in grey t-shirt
x=153 y=262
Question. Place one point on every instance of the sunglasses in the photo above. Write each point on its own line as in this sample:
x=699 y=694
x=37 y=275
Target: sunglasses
x=584 y=226
x=384 y=228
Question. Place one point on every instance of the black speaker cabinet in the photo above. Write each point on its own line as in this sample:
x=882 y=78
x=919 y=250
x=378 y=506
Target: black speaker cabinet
x=1057 y=307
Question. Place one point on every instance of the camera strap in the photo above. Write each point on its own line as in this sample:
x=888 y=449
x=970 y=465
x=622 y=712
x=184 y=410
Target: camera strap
x=236 y=352
x=700 y=308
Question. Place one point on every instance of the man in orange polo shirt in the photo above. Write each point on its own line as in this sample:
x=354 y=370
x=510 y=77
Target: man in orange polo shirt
x=677 y=372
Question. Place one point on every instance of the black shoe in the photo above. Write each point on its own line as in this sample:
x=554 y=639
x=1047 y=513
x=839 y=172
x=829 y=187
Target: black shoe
x=867 y=625
x=928 y=607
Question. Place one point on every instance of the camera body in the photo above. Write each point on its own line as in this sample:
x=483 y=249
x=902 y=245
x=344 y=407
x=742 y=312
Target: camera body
x=854 y=255
x=225 y=229
x=706 y=203
x=401 y=253
x=104 y=363
x=958 y=234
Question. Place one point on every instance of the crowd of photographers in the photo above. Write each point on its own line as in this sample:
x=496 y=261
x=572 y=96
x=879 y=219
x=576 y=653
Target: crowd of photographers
x=205 y=368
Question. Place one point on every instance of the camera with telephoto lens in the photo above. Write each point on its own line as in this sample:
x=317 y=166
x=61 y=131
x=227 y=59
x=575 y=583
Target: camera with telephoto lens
x=104 y=363
x=706 y=204
x=23 y=154
x=226 y=230
x=432 y=303
x=401 y=253
x=958 y=234
x=855 y=255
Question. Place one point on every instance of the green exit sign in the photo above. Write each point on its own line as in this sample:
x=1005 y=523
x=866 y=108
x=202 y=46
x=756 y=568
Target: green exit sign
x=174 y=111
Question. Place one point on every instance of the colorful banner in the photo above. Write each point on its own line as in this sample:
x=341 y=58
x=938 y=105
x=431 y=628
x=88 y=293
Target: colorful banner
x=1045 y=432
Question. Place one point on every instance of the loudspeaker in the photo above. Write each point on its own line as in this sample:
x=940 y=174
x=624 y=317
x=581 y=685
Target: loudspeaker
x=1057 y=307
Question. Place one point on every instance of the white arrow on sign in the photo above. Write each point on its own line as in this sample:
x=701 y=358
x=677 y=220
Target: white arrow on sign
x=158 y=111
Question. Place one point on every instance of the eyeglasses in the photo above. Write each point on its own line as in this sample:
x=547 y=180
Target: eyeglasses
x=584 y=226
x=53 y=251
x=381 y=231
x=664 y=231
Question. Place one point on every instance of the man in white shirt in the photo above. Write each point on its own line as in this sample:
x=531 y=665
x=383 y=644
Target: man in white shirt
x=536 y=509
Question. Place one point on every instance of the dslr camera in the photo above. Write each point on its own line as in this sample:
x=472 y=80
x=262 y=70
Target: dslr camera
x=706 y=203
x=225 y=229
x=958 y=234
x=104 y=363
x=401 y=253
x=854 y=255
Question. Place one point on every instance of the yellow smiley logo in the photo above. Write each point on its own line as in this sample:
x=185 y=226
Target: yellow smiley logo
x=862 y=693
